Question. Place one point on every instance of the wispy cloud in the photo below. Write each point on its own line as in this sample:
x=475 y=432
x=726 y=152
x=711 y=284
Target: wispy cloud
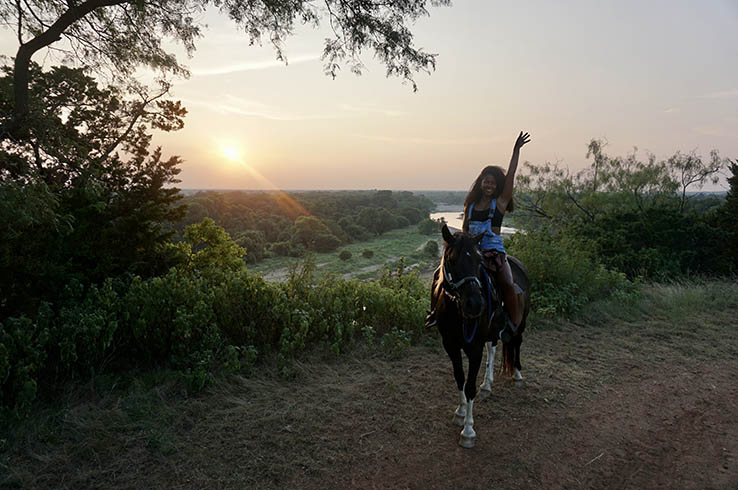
x=254 y=65
x=711 y=130
x=229 y=104
x=724 y=94
x=427 y=141
x=372 y=110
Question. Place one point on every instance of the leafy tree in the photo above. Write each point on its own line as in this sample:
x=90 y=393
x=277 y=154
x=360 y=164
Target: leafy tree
x=551 y=193
x=726 y=219
x=208 y=248
x=121 y=35
x=634 y=215
x=312 y=234
x=385 y=221
x=86 y=169
x=325 y=242
x=429 y=227
x=368 y=218
x=413 y=215
x=352 y=229
x=254 y=243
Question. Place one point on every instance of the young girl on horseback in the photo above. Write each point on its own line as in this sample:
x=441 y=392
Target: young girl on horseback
x=485 y=205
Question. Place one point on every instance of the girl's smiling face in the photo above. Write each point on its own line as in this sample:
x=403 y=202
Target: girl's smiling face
x=489 y=186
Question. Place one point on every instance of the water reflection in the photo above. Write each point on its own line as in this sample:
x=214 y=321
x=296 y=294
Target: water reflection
x=455 y=218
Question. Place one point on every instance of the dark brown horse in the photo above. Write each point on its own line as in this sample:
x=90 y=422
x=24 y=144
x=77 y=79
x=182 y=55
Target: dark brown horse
x=468 y=313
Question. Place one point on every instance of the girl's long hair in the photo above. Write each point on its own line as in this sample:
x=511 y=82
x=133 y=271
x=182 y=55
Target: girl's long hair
x=475 y=193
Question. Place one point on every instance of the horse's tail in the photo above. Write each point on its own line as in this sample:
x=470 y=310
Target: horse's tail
x=508 y=358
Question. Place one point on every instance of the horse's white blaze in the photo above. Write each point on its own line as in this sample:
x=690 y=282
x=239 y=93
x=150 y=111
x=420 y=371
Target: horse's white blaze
x=517 y=376
x=489 y=375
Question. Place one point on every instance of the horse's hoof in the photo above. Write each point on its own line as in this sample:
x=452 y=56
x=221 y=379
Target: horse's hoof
x=466 y=443
x=459 y=420
x=468 y=437
x=517 y=376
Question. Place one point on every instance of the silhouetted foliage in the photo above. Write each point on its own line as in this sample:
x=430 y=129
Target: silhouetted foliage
x=90 y=199
x=119 y=36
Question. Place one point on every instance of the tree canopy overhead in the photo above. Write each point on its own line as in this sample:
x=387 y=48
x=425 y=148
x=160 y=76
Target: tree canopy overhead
x=122 y=35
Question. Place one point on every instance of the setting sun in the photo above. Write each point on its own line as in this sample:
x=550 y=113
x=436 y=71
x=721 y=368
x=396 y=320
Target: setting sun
x=231 y=153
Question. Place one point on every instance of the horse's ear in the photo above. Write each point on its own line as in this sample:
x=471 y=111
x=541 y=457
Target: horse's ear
x=477 y=238
x=447 y=236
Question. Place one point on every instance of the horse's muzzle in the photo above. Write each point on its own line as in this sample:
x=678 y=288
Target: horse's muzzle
x=472 y=305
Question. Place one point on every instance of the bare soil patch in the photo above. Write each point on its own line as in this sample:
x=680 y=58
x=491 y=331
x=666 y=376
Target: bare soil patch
x=620 y=404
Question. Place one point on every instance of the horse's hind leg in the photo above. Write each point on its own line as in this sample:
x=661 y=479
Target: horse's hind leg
x=517 y=376
x=489 y=376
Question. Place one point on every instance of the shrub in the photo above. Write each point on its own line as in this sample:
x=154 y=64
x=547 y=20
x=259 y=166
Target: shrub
x=344 y=255
x=197 y=322
x=367 y=253
x=325 y=242
x=287 y=249
x=429 y=227
x=431 y=248
x=563 y=274
x=401 y=222
x=254 y=242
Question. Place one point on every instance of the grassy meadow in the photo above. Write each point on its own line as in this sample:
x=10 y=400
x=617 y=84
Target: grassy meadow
x=386 y=250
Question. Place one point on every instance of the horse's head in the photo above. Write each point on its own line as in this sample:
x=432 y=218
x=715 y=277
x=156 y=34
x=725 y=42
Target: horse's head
x=461 y=267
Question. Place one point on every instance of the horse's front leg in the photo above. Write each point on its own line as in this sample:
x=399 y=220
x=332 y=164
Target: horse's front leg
x=461 y=410
x=454 y=353
x=489 y=376
x=470 y=391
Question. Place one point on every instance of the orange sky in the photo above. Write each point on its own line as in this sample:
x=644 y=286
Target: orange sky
x=659 y=75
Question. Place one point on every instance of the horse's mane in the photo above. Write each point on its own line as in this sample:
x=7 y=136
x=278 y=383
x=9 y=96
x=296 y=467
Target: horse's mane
x=439 y=284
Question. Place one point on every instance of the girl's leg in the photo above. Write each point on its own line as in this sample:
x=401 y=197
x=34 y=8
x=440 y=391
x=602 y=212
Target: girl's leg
x=505 y=279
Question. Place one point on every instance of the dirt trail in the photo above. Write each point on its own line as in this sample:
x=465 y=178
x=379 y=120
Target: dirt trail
x=615 y=406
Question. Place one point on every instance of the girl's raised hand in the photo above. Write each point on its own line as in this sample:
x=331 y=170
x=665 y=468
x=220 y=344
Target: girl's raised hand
x=523 y=138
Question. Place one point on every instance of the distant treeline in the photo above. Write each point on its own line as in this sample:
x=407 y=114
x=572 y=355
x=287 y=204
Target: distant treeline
x=289 y=224
x=450 y=198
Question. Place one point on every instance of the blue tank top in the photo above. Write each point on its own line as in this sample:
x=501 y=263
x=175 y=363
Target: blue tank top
x=491 y=240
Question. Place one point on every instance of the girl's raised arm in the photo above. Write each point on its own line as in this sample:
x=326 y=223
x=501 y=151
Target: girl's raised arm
x=507 y=192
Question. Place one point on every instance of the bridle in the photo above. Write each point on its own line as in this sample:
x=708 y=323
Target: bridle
x=453 y=287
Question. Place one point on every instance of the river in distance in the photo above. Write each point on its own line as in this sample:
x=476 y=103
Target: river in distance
x=455 y=217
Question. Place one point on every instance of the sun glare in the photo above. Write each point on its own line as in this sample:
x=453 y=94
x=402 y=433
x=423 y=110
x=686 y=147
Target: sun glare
x=231 y=153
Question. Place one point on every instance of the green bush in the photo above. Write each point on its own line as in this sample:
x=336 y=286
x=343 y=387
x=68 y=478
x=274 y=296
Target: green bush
x=564 y=276
x=367 y=253
x=429 y=227
x=344 y=255
x=325 y=242
x=287 y=249
x=431 y=248
x=200 y=324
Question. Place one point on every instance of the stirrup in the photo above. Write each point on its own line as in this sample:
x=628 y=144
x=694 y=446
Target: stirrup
x=430 y=319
